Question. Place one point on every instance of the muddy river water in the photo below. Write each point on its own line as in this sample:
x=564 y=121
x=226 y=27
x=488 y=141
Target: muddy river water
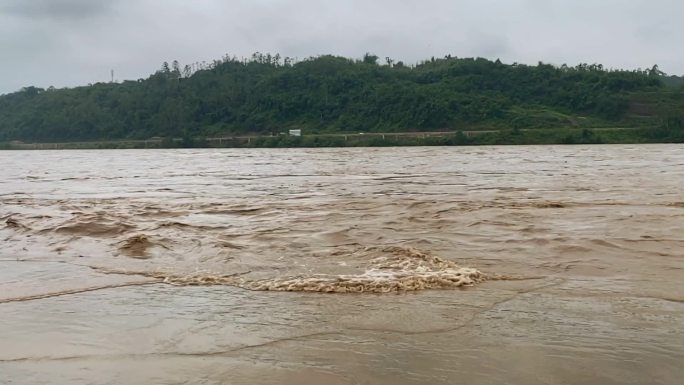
x=483 y=265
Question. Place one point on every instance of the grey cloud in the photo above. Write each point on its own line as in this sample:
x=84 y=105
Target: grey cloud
x=72 y=42
x=54 y=9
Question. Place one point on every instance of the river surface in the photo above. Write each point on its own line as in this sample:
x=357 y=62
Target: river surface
x=480 y=265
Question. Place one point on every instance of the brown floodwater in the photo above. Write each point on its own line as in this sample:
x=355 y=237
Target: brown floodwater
x=482 y=265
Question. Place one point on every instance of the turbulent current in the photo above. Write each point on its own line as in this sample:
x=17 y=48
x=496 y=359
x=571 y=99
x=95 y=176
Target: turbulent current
x=484 y=265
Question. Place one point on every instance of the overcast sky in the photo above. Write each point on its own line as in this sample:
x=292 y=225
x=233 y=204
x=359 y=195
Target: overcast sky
x=75 y=42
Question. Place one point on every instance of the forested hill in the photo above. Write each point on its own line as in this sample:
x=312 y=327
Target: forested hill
x=267 y=94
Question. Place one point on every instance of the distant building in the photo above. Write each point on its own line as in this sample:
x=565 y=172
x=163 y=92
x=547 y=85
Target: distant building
x=295 y=132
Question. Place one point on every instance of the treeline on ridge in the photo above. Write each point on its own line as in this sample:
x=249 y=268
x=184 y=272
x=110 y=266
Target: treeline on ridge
x=268 y=94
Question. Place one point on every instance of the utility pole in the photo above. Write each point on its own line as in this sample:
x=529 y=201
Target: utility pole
x=112 y=77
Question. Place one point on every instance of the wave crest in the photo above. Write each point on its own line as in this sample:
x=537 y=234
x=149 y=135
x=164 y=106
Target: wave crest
x=397 y=269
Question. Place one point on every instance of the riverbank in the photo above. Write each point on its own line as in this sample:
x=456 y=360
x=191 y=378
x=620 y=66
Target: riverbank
x=617 y=135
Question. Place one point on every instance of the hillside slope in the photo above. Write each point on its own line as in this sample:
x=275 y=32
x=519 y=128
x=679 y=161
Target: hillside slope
x=332 y=94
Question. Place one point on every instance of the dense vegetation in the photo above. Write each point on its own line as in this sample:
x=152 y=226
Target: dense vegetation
x=268 y=94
